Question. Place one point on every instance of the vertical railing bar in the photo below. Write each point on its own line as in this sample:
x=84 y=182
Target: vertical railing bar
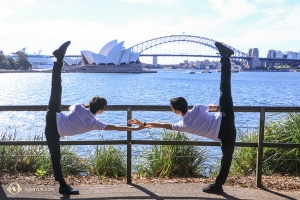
x=129 y=149
x=260 y=147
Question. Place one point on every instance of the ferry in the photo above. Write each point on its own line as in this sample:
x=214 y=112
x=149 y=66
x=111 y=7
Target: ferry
x=38 y=61
x=189 y=71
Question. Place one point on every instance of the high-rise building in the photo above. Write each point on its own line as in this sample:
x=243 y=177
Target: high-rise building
x=254 y=62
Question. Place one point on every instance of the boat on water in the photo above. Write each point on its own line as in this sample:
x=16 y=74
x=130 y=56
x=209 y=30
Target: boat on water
x=233 y=70
x=38 y=61
x=206 y=71
x=189 y=71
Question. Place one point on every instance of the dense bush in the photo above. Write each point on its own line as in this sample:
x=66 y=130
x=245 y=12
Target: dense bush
x=275 y=160
x=171 y=160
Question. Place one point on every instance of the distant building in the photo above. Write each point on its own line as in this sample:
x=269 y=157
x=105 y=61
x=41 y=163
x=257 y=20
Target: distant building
x=254 y=62
x=288 y=55
x=271 y=54
x=278 y=54
x=72 y=62
x=113 y=53
x=296 y=55
x=198 y=64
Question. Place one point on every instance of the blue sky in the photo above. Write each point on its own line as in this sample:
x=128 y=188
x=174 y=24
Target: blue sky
x=90 y=24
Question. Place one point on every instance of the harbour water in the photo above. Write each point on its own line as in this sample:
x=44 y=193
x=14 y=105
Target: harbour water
x=248 y=89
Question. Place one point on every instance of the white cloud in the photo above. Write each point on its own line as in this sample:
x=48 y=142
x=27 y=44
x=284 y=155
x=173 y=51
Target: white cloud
x=232 y=9
x=241 y=24
x=147 y=2
x=6 y=12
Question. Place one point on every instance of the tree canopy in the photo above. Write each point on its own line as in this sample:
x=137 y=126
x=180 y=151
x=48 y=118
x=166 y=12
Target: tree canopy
x=9 y=63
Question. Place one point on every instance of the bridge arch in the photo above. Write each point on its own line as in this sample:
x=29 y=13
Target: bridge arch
x=143 y=46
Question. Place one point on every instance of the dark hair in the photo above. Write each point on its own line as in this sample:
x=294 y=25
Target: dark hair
x=96 y=103
x=179 y=103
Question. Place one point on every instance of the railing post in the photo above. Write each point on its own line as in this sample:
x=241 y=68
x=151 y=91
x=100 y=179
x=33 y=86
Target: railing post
x=129 y=149
x=260 y=147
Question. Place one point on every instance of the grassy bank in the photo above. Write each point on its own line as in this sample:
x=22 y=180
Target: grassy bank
x=158 y=161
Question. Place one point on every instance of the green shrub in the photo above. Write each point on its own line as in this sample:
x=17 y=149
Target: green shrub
x=18 y=158
x=244 y=158
x=108 y=161
x=285 y=130
x=71 y=163
x=36 y=158
x=275 y=160
x=171 y=160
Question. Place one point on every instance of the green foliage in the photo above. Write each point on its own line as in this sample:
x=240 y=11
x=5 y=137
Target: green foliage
x=36 y=158
x=71 y=163
x=4 y=62
x=285 y=130
x=22 y=61
x=244 y=158
x=40 y=173
x=108 y=161
x=275 y=160
x=171 y=160
x=16 y=158
x=12 y=63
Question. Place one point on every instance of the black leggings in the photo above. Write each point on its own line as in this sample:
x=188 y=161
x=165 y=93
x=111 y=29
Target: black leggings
x=227 y=133
x=51 y=131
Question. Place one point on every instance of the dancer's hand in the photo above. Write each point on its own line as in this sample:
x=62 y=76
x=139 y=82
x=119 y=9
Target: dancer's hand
x=135 y=121
x=212 y=107
x=138 y=122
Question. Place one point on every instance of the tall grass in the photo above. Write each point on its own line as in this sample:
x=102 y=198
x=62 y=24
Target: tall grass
x=108 y=161
x=22 y=158
x=171 y=160
x=275 y=160
x=285 y=130
x=159 y=160
x=36 y=158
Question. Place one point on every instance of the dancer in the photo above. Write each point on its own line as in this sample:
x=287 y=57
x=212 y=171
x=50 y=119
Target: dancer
x=79 y=120
x=218 y=126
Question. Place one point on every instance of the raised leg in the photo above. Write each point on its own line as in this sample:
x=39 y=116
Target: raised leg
x=51 y=131
x=227 y=132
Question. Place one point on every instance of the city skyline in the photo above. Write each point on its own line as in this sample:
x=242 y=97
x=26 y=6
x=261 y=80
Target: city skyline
x=44 y=25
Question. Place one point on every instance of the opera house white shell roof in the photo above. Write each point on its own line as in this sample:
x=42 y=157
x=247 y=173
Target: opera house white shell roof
x=70 y=61
x=111 y=53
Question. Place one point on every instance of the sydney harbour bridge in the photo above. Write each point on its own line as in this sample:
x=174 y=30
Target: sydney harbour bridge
x=197 y=46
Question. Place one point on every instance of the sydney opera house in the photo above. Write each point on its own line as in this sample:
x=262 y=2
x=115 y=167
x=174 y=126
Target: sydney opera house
x=112 y=58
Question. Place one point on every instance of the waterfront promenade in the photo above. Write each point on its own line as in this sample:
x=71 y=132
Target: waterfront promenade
x=146 y=191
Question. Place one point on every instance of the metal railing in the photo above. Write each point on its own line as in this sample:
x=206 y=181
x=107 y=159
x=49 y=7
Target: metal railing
x=260 y=144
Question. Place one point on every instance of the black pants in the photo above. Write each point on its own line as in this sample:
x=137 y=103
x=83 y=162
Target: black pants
x=227 y=132
x=51 y=131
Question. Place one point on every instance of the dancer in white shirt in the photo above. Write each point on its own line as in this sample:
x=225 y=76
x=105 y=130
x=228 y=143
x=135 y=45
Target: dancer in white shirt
x=79 y=120
x=218 y=126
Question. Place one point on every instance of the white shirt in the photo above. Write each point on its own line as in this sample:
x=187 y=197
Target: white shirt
x=78 y=120
x=200 y=122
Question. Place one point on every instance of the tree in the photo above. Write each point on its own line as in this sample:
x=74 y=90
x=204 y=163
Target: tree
x=22 y=61
x=4 y=63
x=12 y=63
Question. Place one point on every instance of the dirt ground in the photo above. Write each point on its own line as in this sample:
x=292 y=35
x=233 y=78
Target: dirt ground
x=275 y=182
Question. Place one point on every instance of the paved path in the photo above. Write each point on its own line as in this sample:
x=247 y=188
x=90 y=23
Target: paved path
x=142 y=191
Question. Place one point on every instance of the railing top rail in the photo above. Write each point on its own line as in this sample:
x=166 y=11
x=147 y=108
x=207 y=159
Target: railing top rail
x=151 y=108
